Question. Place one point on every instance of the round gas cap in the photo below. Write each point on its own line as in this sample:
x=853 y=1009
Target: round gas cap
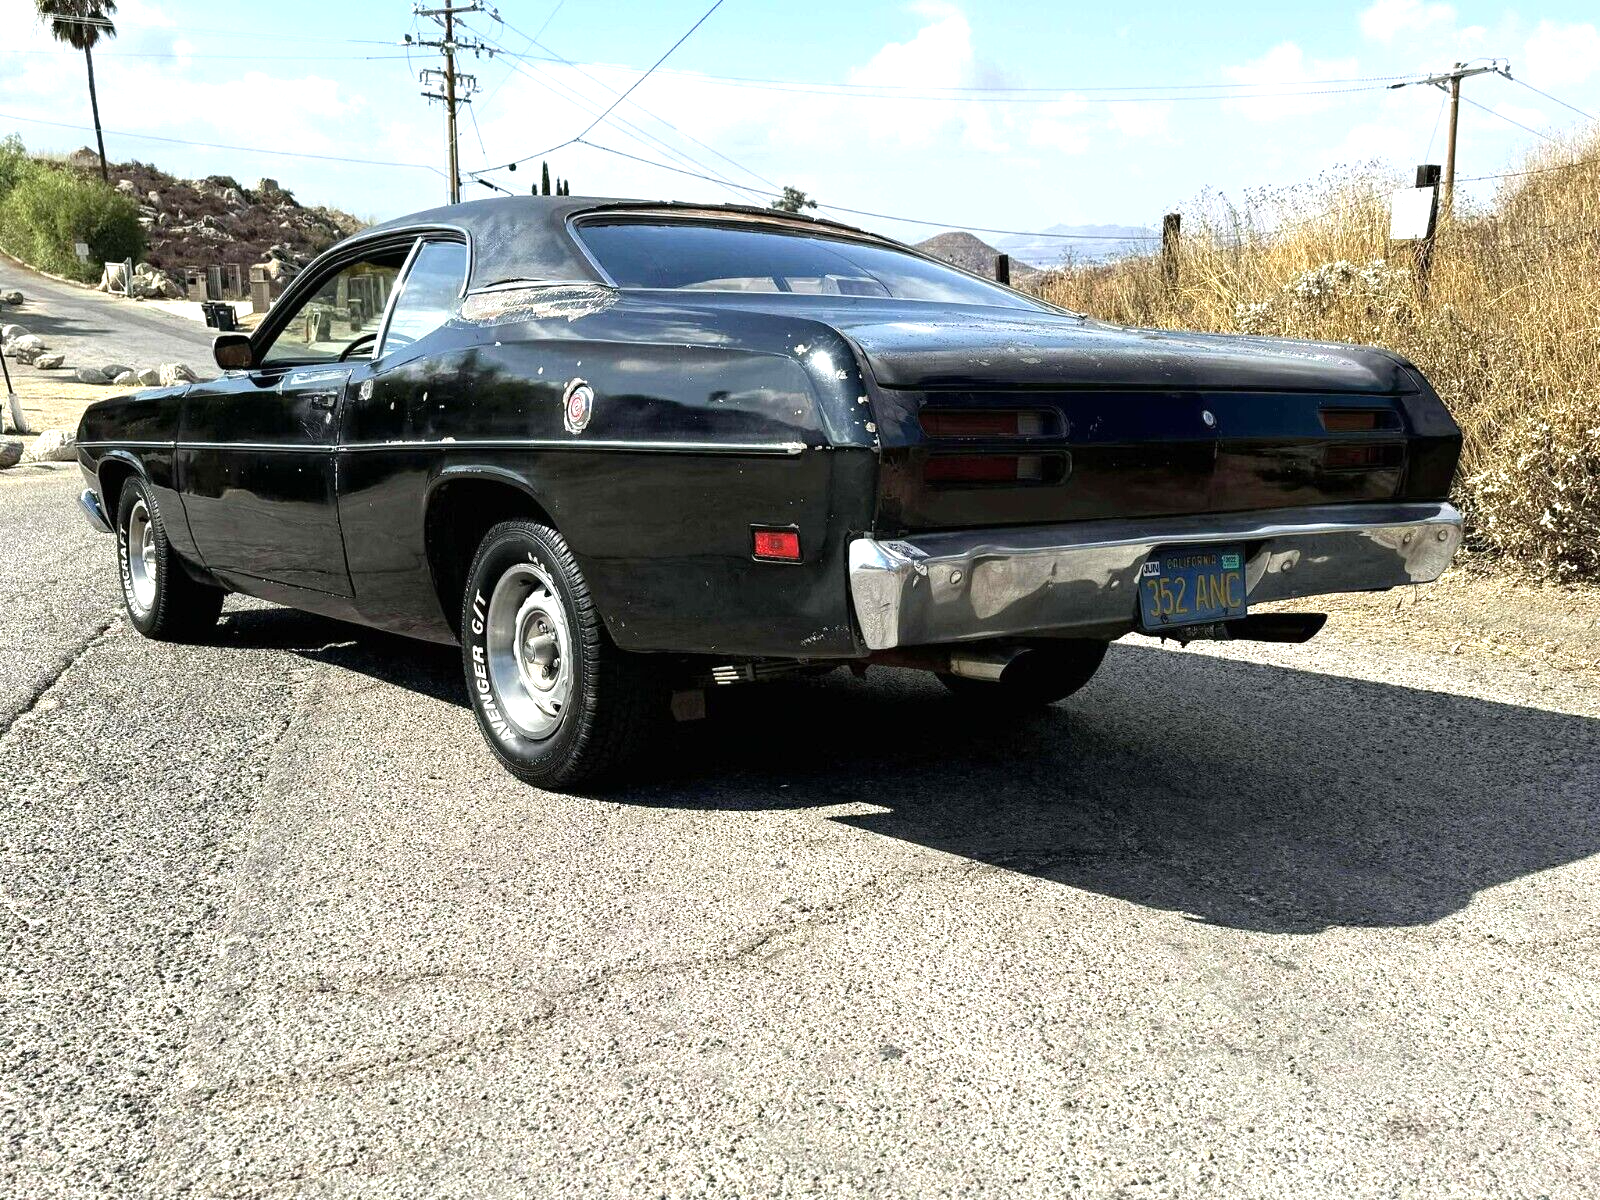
x=1210 y=418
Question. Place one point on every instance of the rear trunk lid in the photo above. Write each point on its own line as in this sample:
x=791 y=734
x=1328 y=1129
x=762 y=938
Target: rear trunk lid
x=1010 y=419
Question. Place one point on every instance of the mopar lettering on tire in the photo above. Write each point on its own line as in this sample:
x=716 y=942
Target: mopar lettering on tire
x=161 y=599
x=556 y=701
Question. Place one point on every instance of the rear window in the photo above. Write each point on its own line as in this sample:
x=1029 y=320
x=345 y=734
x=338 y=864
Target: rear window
x=728 y=258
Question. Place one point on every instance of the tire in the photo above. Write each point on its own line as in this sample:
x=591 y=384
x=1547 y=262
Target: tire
x=1040 y=678
x=558 y=703
x=161 y=599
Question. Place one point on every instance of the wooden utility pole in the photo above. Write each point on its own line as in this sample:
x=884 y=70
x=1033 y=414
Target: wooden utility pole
x=1170 y=225
x=457 y=89
x=1427 y=177
x=1450 y=81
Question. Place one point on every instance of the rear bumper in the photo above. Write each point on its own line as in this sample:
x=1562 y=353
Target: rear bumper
x=89 y=502
x=1080 y=579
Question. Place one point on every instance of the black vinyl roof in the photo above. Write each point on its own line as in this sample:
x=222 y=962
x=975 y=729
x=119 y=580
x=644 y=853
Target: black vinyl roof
x=527 y=237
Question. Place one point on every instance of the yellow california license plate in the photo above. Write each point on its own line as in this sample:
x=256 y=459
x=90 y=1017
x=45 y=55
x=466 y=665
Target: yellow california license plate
x=1192 y=585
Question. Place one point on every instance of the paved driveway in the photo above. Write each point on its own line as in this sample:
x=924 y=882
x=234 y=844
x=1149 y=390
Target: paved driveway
x=94 y=329
x=1265 y=922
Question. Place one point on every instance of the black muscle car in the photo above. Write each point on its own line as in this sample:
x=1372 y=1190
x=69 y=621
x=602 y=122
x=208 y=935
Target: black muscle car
x=625 y=451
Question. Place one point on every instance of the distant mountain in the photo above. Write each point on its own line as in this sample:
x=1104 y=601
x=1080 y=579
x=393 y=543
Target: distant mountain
x=1087 y=243
x=972 y=253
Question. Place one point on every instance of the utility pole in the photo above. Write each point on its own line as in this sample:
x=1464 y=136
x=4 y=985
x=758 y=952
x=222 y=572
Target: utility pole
x=1450 y=81
x=455 y=89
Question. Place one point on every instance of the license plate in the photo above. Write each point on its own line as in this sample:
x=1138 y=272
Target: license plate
x=1191 y=585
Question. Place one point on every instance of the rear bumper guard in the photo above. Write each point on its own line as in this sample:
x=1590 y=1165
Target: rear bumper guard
x=1081 y=578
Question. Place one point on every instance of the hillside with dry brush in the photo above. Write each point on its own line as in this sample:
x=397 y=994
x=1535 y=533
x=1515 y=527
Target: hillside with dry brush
x=1507 y=329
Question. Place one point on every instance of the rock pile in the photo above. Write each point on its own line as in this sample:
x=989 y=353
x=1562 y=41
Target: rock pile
x=198 y=222
x=16 y=342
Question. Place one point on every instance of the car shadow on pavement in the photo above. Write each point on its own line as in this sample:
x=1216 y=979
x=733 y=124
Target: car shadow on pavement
x=1250 y=796
x=1256 y=797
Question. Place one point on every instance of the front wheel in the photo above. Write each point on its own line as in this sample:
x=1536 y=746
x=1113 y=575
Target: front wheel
x=558 y=703
x=1037 y=678
x=163 y=602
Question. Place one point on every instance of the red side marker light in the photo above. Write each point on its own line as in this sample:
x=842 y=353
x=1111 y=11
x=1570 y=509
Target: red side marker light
x=776 y=545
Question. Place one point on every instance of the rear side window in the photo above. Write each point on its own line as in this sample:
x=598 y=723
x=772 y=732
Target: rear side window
x=729 y=258
x=428 y=294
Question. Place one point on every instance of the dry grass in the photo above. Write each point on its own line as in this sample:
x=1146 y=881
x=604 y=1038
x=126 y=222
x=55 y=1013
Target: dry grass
x=1508 y=330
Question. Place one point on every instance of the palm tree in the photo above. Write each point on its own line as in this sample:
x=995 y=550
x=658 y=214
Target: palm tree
x=81 y=24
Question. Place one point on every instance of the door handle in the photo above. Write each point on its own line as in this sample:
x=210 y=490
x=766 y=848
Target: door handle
x=323 y=399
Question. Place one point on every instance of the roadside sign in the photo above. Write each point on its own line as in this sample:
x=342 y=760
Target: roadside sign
x=1411 y=214
x=82 y=250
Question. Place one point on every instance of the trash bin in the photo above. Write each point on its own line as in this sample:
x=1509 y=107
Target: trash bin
x=226 y=320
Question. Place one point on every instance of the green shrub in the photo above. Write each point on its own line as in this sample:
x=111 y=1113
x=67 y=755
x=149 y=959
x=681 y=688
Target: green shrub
x=45 y=210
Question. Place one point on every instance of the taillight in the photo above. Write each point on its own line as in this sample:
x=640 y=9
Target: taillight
x=993 y=468
x=987 y=422
x=1359 y=420
x=1355 y=456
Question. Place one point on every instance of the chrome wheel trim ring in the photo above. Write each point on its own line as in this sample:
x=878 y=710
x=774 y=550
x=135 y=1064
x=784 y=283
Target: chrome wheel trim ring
x=529 y=647
x=141 y=557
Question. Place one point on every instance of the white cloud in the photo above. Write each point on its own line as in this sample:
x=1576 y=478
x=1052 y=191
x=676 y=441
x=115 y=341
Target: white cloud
x=1285 y=63
x=1558 y=54
x=1389 y=19
x=1060 y=126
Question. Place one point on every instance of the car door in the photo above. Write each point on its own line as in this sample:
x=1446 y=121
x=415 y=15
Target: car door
x=256 y=461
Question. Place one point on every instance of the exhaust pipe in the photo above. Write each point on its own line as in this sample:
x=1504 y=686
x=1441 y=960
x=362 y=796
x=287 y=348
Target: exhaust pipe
x=990 y=666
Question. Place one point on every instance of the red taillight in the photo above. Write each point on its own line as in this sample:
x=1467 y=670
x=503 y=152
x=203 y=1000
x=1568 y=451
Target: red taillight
x=984 y=468
x=1358 y=456
x=984 y=422
x=1359 y=420
x=778 y=545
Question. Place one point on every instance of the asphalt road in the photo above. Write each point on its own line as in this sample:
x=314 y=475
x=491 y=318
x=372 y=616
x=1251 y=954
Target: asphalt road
x=94 y=329
x=1314 y=921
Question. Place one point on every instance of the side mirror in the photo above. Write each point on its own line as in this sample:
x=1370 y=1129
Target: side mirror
x=233 y=351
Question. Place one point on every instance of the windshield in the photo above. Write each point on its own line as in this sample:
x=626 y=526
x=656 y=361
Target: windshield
x=729 y=258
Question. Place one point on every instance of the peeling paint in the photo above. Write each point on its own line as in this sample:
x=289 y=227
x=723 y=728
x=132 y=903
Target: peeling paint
x=568 y=302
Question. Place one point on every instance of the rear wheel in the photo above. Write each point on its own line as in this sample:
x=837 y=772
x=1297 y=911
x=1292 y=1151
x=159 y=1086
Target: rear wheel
x=558 y=703
x=163 y=602
x=1036 y=679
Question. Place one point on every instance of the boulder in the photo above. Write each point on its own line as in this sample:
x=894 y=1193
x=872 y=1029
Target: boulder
x=112 y=370
x=233 y=197
x=10 y=452
x=53 y=445
x=10 y=297
x=174 y=373
x=126 y=378
x=7 y=332
x=126 y=187
x=149 y=377
x=90 y=375
x=25 y=348
x=49 y=362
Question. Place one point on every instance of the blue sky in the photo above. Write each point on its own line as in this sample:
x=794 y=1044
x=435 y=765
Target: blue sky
x=295 y=75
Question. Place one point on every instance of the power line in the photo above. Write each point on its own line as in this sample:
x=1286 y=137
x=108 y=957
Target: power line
x=614 y=103
x=151 y=137
x=715 y=5
x=1556 y=99
x=625 y=127
x=188 y=31
x=224 y=57
x=1497 y=113
x=862 y=212
x=643 y=136
x=652 y=114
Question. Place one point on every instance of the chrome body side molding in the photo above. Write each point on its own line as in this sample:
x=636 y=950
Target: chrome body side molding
x=1081 y=578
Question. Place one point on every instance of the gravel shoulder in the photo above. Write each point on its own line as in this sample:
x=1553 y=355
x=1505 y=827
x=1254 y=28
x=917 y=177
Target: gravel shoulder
x=1241 y=919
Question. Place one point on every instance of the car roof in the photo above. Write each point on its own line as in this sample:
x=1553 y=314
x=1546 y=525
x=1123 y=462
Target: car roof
x=528 y=237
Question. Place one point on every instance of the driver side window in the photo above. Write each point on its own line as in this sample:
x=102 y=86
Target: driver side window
x=347 y=308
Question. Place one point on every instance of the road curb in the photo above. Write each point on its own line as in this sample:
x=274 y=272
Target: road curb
x=77 y=283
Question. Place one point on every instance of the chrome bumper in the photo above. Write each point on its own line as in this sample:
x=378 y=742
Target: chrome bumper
x=1081 y=578
x=92 y=512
